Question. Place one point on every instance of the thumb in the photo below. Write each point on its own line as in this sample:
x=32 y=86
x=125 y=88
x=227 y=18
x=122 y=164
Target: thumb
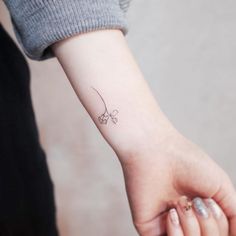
x=226 y=198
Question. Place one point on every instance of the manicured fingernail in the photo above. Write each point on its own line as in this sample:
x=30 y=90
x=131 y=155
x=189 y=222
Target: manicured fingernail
x=174 y=217
x=200 y=207
x=185 y=205
x=213 y=206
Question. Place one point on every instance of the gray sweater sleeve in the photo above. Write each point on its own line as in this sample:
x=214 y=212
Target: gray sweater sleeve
x=40 y=23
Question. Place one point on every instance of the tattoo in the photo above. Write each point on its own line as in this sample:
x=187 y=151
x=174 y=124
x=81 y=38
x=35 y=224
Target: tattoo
x=104 y=117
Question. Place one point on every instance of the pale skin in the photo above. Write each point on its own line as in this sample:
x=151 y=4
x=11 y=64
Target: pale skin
x=158 y=162
x=182 y=221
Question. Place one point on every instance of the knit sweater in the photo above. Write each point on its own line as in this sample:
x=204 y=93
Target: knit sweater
x=40 y=23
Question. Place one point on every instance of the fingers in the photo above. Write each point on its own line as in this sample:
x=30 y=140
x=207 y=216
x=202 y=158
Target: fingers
x=188 y=219
x=219 y=216
x=173 y=224
x=226 y=198
x=200 y=217
x=206 y=222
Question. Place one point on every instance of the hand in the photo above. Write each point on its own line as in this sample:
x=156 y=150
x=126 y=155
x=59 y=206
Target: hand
x=199 y=217
x=163 y=171
x=159 y=165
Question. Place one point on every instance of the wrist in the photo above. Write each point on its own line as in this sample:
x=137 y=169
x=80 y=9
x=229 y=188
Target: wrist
x=149 y=136
x=112 y=89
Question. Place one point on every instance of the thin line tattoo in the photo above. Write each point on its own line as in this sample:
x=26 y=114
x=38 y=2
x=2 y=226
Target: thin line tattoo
x=104 y=117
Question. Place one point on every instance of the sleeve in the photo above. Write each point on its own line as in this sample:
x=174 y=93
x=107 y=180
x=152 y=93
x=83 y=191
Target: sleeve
x=40 y=23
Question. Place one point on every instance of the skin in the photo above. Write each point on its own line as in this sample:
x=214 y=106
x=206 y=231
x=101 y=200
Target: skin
x=193 y=224
x=159 y=163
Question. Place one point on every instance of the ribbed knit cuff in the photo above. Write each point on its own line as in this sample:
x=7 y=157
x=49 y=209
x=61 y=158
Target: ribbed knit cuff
x=40 y=23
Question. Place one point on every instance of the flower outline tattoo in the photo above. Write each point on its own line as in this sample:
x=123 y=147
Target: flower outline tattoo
x=105 y=116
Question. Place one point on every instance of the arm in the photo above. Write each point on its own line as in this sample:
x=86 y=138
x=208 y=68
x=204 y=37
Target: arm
x=159 y=164
x=102 y=70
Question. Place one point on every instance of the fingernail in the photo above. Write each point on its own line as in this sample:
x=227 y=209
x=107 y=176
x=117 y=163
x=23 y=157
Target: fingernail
x=185 y=205
x=213 y=206
x=200 y=207
x=174 y=217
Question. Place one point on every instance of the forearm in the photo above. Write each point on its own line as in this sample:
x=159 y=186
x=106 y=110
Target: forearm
x=110 y=85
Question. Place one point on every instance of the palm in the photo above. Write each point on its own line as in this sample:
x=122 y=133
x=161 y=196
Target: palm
x=157 y=179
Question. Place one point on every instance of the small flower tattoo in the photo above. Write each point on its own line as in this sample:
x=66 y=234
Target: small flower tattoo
x=105 y=116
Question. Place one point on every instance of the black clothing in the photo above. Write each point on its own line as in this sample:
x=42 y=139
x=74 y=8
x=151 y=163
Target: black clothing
x=27 y=205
